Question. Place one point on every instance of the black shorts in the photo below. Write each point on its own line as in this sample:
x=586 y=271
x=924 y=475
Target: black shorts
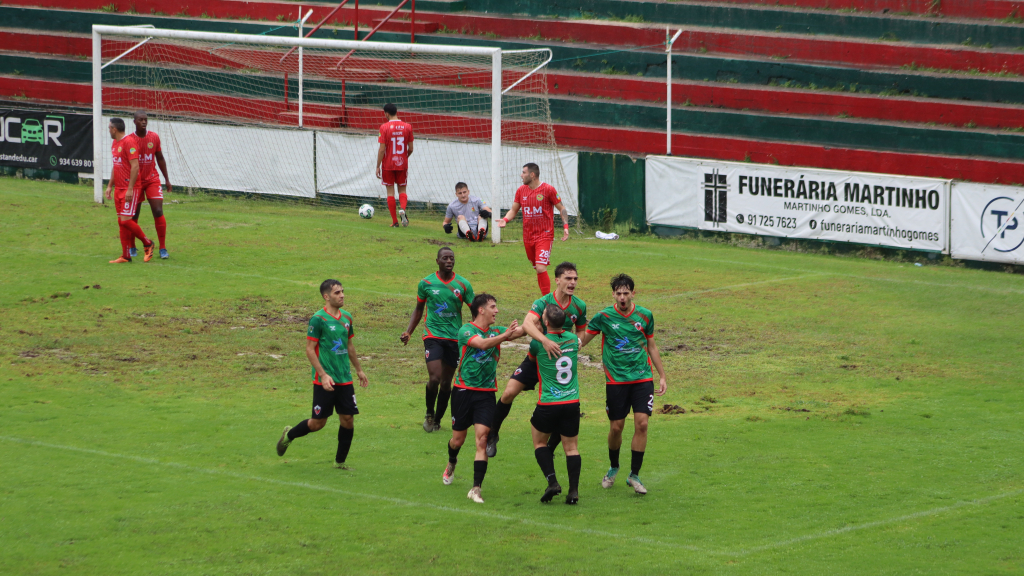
x=447 y=351
x=471 y=407
x=526 y=374
x=561 y=419
x=342 y=399
x=621 y=397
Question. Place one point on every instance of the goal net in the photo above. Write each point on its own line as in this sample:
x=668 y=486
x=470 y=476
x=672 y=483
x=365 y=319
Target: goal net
x=298 y=117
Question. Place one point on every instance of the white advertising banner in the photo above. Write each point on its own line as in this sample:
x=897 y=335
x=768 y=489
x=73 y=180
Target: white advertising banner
x=880 y=209
x=986 y=223
x=233 y=158
x=345 y=166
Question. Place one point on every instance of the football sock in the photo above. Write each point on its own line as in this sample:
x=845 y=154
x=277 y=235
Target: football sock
x=137 y=231
x=161 y=229
x=479 y=471
x=613 y=457
x=431 y=397
x=443 y=394
x=403 y=199
x=391 y=208
x=638 y=461
x=344 y=443
x=544 y=281
x=126 y=240
x=554 y=441
x=299 y=430
x=574 y=464
x=500 y=413
x=547 y=463
x=464 y=228
x=453 y=453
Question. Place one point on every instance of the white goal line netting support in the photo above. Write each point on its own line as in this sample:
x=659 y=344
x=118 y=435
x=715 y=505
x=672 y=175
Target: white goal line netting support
x=300 y=117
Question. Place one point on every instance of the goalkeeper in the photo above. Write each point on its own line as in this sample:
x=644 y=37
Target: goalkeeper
x=469 y=213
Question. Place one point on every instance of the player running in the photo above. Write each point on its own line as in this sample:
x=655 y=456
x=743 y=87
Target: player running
x=627 y=351
x=473 y=400
x=442 y=295
x=330 y=350
x=150 y=156
x=126 y=198
x=537 y=200
x=393 y=160
x=558 y=405
x=470 y=213
x=525 y=377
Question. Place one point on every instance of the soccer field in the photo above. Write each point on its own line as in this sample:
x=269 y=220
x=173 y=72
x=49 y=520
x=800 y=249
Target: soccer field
x=842 y=415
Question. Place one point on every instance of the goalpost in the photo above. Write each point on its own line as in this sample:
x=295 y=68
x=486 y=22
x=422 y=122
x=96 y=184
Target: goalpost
x=299 y=116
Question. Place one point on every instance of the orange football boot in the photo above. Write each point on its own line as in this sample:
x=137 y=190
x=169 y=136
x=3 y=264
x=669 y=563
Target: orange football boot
x=120 y=260
x=149 y=252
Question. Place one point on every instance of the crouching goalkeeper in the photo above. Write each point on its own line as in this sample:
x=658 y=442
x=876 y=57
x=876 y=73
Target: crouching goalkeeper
x=469 y=213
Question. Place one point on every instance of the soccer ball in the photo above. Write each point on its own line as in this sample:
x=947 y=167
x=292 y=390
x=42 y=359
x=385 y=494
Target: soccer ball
x=366 y=211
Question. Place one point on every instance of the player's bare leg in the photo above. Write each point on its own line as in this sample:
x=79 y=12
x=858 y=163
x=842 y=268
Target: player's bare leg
x=501 y=410
x=391 y=205
x=403 y=199
x=439 y=391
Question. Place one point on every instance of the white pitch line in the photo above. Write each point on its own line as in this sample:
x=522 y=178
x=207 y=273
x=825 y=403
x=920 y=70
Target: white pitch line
x=394 y=501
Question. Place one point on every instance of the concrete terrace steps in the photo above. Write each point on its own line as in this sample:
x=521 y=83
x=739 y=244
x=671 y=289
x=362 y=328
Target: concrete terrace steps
x=994 y=9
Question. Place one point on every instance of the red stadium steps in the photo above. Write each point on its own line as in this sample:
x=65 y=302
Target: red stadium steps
x=291 y=118
x=997 y=9
x=403 y=25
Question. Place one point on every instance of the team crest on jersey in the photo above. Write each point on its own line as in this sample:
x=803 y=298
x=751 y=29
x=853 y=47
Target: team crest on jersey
x=316 y=410
x=118 y=148
x=574 y=317
x=458 y=293
x=150 y=145
x=540 y=197
x=638 y=326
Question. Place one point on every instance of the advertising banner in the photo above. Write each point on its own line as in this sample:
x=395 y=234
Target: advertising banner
x=46 y=140
x=986 y=223
x=880 y=209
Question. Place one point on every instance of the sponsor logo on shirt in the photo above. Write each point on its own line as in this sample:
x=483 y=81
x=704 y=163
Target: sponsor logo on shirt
x=339 y=347
x=622 y=345
x=560 y=393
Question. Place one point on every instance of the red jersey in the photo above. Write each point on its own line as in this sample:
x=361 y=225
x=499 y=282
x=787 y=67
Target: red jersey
x=148 y=146
x=538 y=211
x=121 y=152
x=396 y=136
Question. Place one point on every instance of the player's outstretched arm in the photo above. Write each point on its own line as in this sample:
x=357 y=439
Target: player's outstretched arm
x=532 y=325
x=509 y=216
x=487 y=343
x=354 y=359
x=652 y=349
x=325 y=379
x=565 y=220
x=414 y=321
x=163 y=168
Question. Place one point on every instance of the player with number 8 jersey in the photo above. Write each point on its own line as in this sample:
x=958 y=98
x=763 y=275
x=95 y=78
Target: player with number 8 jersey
x=393 y=160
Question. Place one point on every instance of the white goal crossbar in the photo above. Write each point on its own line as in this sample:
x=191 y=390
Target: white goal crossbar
x=145 y=33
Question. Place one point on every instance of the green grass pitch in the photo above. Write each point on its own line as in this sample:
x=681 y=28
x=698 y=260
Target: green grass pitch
x=843 y=416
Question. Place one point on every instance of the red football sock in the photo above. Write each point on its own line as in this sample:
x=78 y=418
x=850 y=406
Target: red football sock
x=403 y=199
x=391 y=208
x=126 y=239
x=136 y=231
x=544 y=281
x=161 y=229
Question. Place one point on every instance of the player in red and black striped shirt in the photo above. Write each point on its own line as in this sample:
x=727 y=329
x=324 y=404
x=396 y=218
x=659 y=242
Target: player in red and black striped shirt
x=538 y=201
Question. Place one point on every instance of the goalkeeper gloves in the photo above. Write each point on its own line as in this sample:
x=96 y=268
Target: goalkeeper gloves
x=448 y=228
x=485 y=214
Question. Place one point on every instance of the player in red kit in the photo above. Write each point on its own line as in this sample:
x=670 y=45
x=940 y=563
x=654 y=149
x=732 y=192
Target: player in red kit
x=538 y=201
x=393 y=160
x=126 y=198
x=150 y=156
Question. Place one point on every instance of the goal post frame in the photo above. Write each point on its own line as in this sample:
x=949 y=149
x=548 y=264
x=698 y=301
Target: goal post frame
x=98 y=31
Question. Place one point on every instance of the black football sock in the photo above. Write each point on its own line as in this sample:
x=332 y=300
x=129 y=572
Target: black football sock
x=554 y=441
x=479 y=471
x=444 y=393
x=574 y=464
x=299 y=430
x=431 y=397
x=344 y=443
x=501 y=411
x=547 y=463
x=613 y=457
x=453 y=453
x=638 y=461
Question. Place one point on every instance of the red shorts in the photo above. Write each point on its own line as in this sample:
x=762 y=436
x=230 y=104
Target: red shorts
x=126 y=207
x=392 y=177
x=152 y=191
x=538 y=252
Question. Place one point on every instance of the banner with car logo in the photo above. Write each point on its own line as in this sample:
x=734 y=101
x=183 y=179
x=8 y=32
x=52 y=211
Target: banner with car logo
x=46 y=140
x=865 y=208
x=986 y=222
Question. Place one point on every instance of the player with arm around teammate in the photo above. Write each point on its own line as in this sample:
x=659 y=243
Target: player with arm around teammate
x=393 y=160
x=558 y=404
x=441 y=295
x=525 y=376
x=627 y=351
x=538 y=201
x=126 y=198
x=330 y=351
x=473 y=399
x=470 y=215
